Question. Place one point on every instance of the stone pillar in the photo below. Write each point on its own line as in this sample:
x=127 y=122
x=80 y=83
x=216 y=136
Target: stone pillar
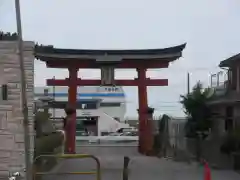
x=11 y=117
x=149 y=131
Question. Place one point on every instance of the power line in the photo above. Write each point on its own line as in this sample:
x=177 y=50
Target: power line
x=167 y=102
x=169 y=110
x=177 y=69
x=157 y=102
x=158 y=106
x=166 y=69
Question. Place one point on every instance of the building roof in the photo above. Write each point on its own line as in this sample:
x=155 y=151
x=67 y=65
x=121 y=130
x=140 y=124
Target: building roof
x=43 y=52
x=223 y=101
x=62 y=104
x=229 y=61
x=51 y=49
x=224 y=98
x=84 y=100
x=81 y=95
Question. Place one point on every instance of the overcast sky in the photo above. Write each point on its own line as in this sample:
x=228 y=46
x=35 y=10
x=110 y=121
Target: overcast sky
x=209 y=27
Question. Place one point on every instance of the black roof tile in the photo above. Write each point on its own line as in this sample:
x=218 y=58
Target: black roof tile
x=52 y=50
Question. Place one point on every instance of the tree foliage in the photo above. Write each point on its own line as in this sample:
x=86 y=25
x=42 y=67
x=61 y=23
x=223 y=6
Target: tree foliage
x=197 y=111
x=8 y=36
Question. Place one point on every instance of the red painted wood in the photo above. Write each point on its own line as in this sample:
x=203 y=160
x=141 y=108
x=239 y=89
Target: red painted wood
x=84 y=82
x=84 y=64
x=72 y=100
x=143 y=104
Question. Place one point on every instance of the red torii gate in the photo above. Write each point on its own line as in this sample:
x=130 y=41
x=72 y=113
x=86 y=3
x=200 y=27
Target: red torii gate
x=108 y=61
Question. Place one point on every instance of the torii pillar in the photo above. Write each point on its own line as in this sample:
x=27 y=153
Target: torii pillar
x=143 y=104
x=72 y=100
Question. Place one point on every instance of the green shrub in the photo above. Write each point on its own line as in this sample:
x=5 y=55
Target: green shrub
x=47 y=140
x=47 y=144
x=43 y=125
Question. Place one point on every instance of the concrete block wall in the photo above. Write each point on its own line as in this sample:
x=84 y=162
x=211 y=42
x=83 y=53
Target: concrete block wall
x=11 y=118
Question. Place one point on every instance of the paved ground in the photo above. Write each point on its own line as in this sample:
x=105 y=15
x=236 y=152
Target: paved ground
x=141 y=167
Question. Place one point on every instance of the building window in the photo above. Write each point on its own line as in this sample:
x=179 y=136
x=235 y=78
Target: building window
x=45 y=92
x=228 y=124
x=4 y=92
x=90 y=106
x=84 y=105
x=229 y=119
x=110 y=104
x=230 y=75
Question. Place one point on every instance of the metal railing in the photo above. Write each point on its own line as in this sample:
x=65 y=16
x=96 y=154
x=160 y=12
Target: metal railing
x=71 y=156
x=125 y=172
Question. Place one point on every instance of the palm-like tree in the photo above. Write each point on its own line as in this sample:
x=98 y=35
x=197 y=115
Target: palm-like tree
x=197 y=111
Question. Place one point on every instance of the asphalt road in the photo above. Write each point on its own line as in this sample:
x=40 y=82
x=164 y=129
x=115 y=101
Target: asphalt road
x=141 y=167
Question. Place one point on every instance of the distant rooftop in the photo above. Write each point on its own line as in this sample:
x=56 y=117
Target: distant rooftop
x=79 y=95
x=229 y=61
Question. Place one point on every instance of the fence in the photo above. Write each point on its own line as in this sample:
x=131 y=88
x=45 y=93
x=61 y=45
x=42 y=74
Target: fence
x=71 y=156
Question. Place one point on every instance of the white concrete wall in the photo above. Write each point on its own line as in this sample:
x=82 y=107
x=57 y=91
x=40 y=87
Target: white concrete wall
x=80 y=112
x=105 y=122
x=11 y=117
x=118 y=112
x=113 y=112
x=108 y=124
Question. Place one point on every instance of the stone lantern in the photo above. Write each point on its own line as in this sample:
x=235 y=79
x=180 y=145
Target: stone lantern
x=150 y=112
x=69 y=110
x=43 y=102
x=150 y=131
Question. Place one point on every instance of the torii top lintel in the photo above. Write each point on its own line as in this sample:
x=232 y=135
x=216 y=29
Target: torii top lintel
x=86 y=58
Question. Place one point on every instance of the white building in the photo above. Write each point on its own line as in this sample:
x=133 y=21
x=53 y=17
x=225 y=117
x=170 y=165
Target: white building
x=100 y=109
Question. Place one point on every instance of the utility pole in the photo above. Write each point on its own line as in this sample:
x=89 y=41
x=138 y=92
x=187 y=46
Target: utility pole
x=218 y=83
x=23 y=93
x=54 y=91
x=218 y=77
x=211 y=80
x=188 y=83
